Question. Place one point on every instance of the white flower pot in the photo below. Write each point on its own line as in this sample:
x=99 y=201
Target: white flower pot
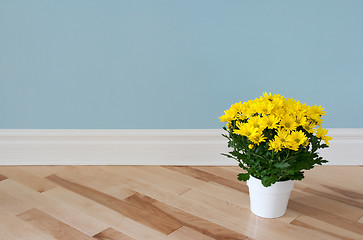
x=269 y=202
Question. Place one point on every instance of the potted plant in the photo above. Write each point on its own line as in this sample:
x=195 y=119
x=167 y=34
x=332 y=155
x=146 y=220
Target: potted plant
x=274 y=139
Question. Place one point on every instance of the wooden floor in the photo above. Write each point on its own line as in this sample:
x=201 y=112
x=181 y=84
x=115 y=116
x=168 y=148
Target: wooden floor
x=154 y=202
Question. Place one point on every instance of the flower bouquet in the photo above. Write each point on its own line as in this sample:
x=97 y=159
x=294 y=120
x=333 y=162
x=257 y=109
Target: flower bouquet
x=274 y=138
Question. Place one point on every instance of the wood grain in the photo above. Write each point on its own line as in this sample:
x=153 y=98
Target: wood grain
x=30 y=180
x=2 y=177
x=112 y=234
x=108 y=216
x=185 y=219
x=16 y=228
x=208 y=177
x=52 y=226
x=157 y=219
x=171 y=202
x=69 y=215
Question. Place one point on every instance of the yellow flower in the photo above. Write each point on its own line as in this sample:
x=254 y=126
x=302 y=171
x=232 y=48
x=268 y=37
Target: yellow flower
x=275 y=145
x=301 y=119
x=321 y=133
x=248 y=109
x=229 y=115
x=314 y=113
x=297 y=138
x=233 y=113
x=288 y=123
x=268 y=96
x=279 y=112
x=316 y=110
x=284 y=137
x=309 y=127
x=264 y=107
x=246 y=129
x=290 y=141
x=258 y=123
x=271 y=121
x=257 y=138
x=271 y=98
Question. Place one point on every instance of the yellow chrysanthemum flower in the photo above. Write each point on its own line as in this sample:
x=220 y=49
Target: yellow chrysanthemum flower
x=301 y=120
x=257 y=138
x=289 y=123
x=314 y=113
x=248 y=109
x=233 y=113
x=309 y=127
x=297 y=138
x=264 y=107
x=279 y=112
x=316 y=110
x=321 y=133
x=275 y=145
x=272 y=98
x=228 y=116
x=271 y=121
x=246 y=129
x=283 y=136
x=258 y=123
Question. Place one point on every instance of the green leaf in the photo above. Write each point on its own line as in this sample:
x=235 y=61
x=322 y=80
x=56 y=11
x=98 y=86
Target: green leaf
x=268 y=180
x=282 y=165
x=243 y=176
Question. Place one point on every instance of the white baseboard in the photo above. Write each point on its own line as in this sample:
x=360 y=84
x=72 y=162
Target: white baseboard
x=145 y=147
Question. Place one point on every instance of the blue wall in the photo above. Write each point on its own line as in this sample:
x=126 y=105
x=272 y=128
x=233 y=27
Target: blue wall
x=174 y=63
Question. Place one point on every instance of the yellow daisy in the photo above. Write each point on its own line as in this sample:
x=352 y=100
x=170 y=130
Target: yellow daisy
x=321 y=133
x=289 y=123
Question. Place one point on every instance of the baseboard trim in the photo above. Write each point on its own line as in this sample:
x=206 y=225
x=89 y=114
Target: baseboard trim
x=144 y=147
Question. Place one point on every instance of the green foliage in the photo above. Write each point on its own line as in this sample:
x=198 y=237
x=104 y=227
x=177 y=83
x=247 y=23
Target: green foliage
x=271 y=166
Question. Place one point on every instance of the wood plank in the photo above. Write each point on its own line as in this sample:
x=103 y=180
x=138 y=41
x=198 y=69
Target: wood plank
x=12 y=204
x=70 y=216
x=149 y=177
x=320 y=191
x=337 y=176
x=188 y=233
x=326 y=204
x=112 y=234
x=16 y=228
x=211 y=188
x=157 y=220
x=94 y=177
x=185 y=219
x=28 y=179
x=328 y=217
x=52 y=226
x=241 y=221
x=326 y=228
x=4 y=236
x=345 y=192
x=360 y=220
x=43 y=170
x=221 y=172
x=193 y=172
x=185 y=180
x=200 y=202
x=110 y=217
x=205 y=176
x=2 y=177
